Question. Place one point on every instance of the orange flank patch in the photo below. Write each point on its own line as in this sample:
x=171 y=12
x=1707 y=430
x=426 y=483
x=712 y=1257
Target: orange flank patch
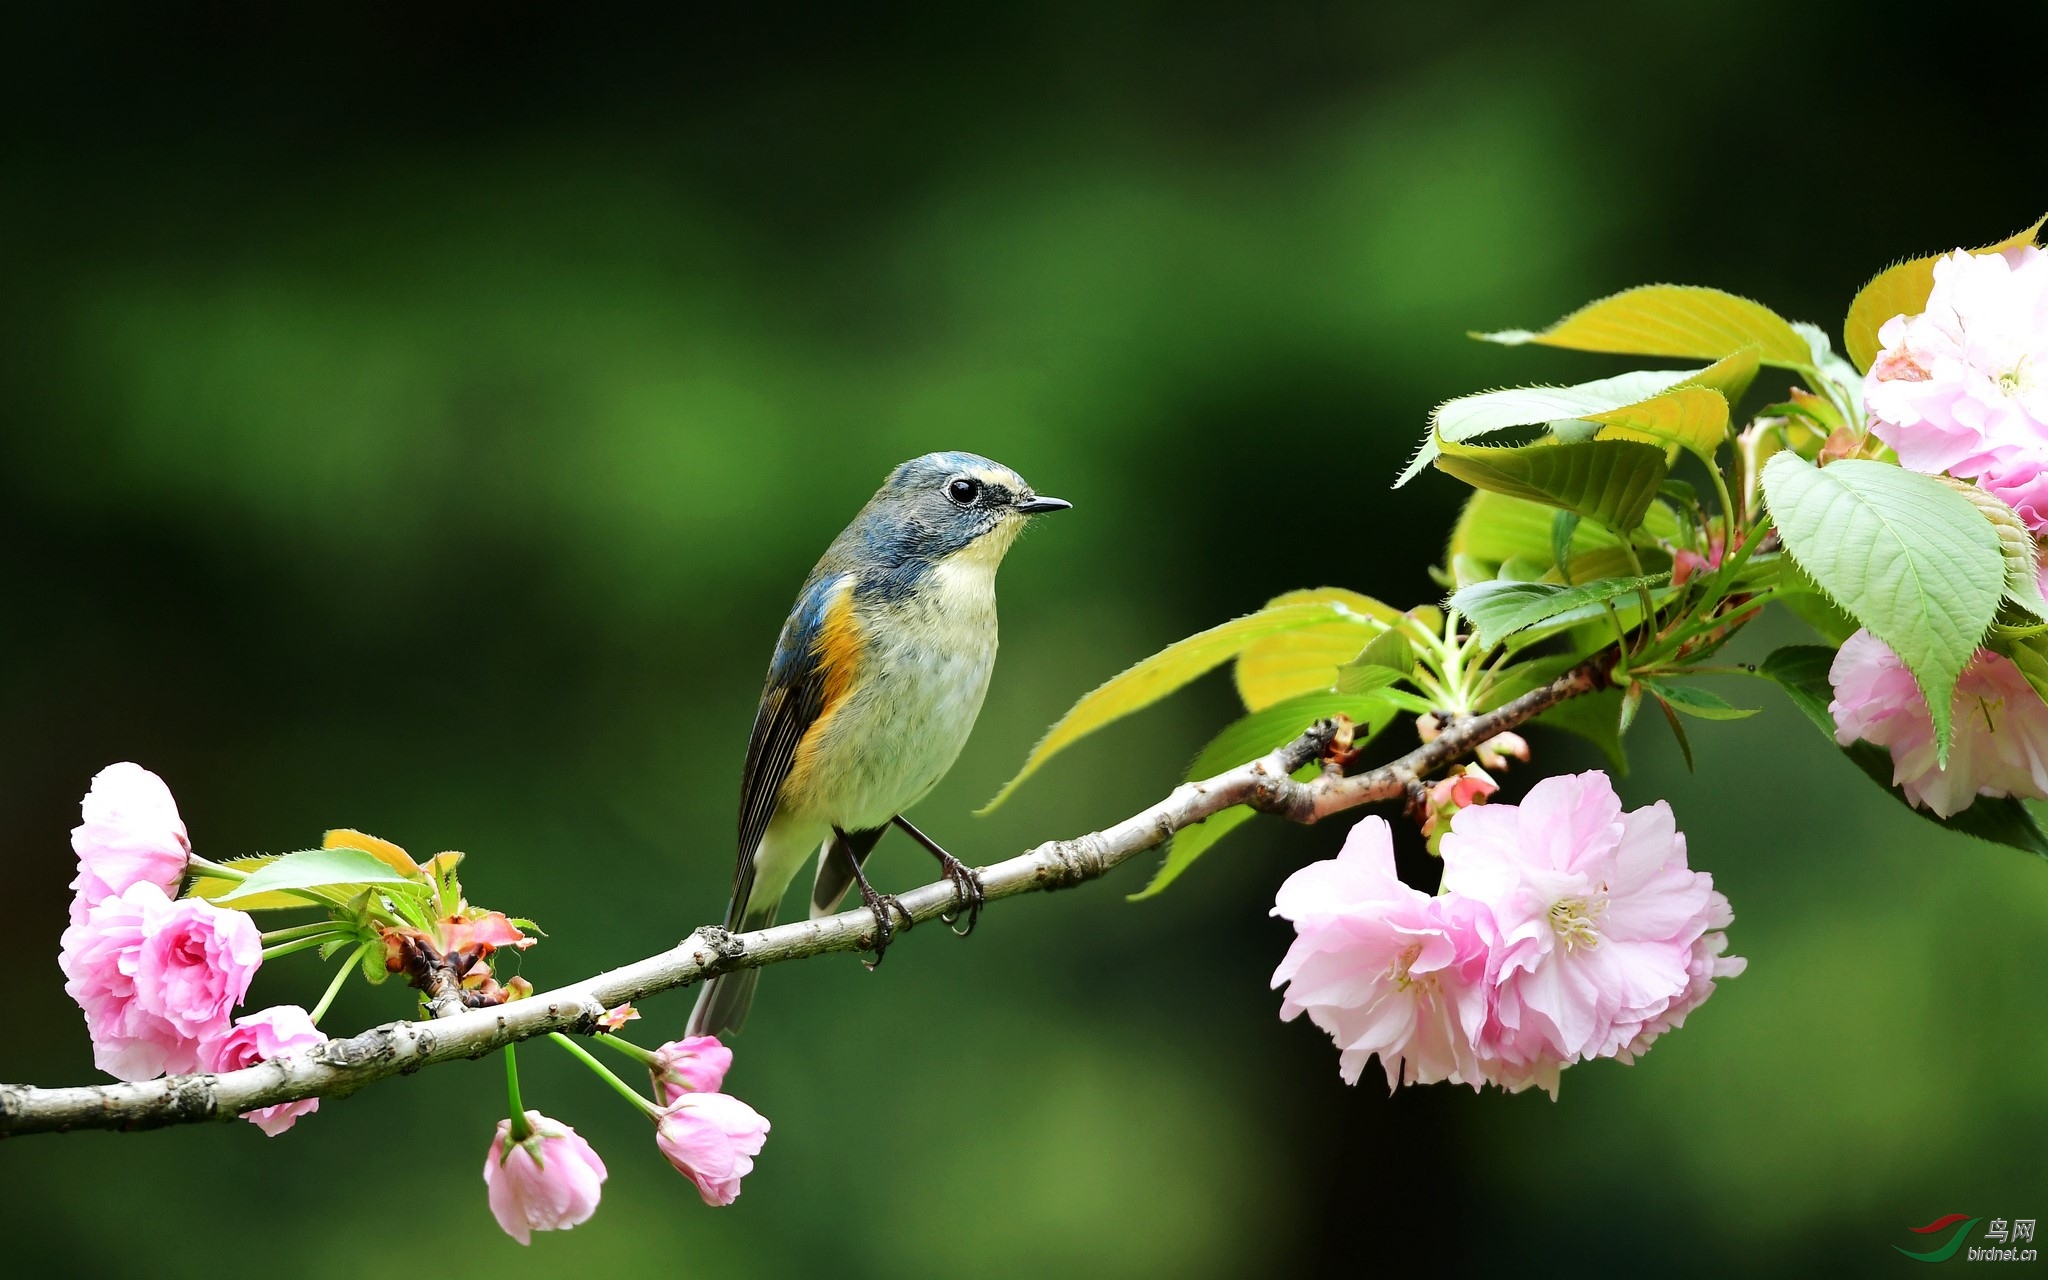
x=837 y=650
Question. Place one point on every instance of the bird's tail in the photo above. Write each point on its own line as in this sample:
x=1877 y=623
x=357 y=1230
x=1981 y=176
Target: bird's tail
x=722 y=1005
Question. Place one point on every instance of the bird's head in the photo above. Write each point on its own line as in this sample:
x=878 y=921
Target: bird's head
x=947 y=505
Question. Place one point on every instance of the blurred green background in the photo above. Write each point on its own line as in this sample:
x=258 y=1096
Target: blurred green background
x=420 y=417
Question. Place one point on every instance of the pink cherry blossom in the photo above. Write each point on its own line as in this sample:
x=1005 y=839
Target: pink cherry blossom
x=696 y=1064
x=1963 y=386
x=1998 y=745
x=1707 y=965
x=1385 y=969
x=259 y=1037
x=131 y=833
x=549 y=1182
x=1468 y=786
x=711 y=1139
x=1597 y=919
x=157 y=979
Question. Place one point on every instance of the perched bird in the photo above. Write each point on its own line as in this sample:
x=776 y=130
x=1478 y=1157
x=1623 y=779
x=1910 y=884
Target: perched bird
x=876 y=681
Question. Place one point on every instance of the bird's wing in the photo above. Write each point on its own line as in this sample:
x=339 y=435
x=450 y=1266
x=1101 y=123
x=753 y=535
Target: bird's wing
x=812 y=669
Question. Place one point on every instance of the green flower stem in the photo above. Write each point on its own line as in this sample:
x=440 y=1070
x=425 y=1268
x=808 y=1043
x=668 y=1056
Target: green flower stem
x=334 y=988
x=520 y=1131
x=1635 y=566
x=202 y=866
x=645 y=1057
x=626 y=1091
x=286 y=948
x=296 y=932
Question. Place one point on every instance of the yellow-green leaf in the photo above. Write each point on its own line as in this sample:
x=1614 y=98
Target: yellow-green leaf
x=1610 y=481
x=1901 y=290
x=1692 y=418
x=1684 y=321
x=1305 y=660
x=1169 y=669
x=212 y=888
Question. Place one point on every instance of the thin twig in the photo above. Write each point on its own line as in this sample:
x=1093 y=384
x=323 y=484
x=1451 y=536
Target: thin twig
x=342 y=1066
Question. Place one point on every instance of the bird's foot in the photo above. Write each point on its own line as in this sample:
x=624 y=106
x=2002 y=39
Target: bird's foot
x=967 y=886
x=966 y=880
x=883 y=905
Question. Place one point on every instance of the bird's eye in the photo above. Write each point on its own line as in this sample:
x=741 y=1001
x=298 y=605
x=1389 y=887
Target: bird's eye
x=964 y=491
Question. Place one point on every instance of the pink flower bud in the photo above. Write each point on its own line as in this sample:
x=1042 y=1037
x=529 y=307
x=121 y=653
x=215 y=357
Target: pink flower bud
x=549 y=1182
x=712 y=1139
x=131 y=834
x=1469 y=786
x=157 y=979
x=259 y=1037
x=1495 y=751
x=694 y=1065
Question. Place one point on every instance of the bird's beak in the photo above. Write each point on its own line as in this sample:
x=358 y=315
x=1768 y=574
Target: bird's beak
x=1039 y=506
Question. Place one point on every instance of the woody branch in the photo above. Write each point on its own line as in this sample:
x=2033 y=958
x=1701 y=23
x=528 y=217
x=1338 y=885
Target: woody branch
x=343 y=1065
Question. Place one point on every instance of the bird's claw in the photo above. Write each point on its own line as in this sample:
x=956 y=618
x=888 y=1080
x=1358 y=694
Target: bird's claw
x=882 y=905
x=967 y=887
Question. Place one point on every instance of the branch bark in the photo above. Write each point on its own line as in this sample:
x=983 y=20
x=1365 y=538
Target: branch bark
x=341 y=1066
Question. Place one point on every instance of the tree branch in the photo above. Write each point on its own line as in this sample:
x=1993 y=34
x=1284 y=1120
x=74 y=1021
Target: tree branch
x=341 y=1066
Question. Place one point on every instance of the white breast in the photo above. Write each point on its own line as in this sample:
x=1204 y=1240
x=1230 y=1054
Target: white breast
x=925 y=666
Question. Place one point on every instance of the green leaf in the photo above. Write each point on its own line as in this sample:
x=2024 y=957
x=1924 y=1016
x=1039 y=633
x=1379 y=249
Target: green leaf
x=1594 y=717
x=321 y=869
x=1388 y=658
x=1305 y=659
x=1908 y=557
x=1671 y=320
x=1247 y=740
x=1608 y=481
x=1802 y=671
x=1901 y=290
x=2015 y=543
x=1169 y=669
x=1562 y=526
x=1697 y=702
x=1690 y=418
x=1634 y=396
x=214 y=888
x=1498 y=610
x=1494 y=528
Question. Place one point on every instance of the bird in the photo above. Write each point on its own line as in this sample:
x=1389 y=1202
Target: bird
x=877 y=678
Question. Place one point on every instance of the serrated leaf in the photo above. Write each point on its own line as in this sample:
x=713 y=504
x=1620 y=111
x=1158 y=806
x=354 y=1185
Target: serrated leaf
x=1901 y=290
x=1305 y=660
x=1498 y=610
x=1905 y=555
x=1577 y=412
x=1169 y=669
x=213 y=888
x=1802 y=672
x=1685 y=321
x=320 y=869
x=1690 y=418
x=1697 y=702
x=1608 y=481
x=2015 y=543
x=1594 y=717
x=1244 y=742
